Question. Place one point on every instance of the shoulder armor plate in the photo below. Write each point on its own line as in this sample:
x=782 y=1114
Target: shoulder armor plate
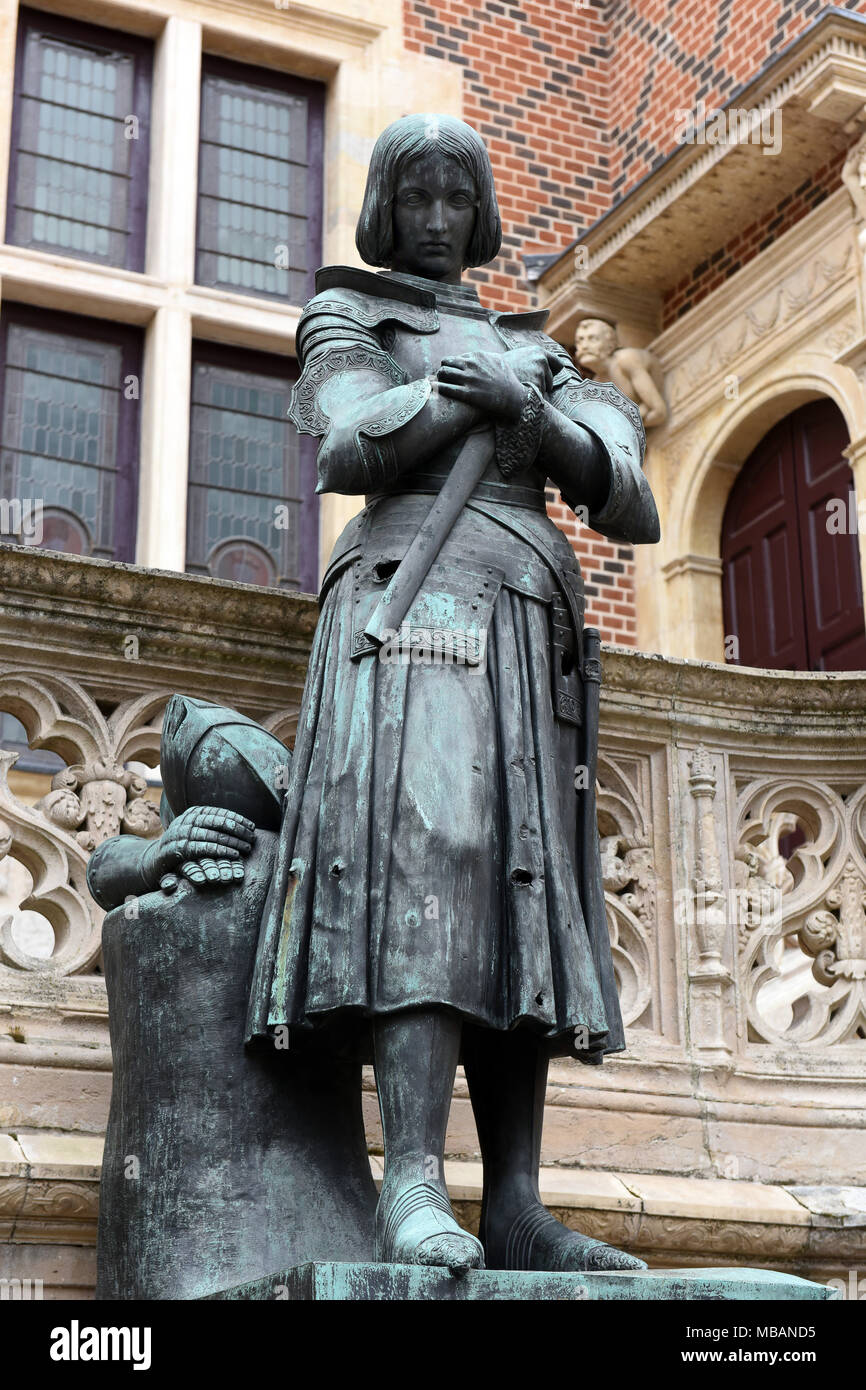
x=371 y=300
x=304 y=411
x=350 y=277
x=526 y=321
x=590 y=397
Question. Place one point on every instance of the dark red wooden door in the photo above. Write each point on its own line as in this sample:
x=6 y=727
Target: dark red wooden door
x=791 y=587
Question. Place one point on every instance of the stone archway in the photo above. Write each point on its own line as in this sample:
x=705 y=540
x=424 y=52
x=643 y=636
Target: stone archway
x=791 y=587
x=684 y=613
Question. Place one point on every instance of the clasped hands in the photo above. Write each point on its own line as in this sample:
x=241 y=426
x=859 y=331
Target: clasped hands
x=204 y=845
x=495 y=382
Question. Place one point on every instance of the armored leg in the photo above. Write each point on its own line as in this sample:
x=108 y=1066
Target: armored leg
x=416 y=1057
x=507 y=1076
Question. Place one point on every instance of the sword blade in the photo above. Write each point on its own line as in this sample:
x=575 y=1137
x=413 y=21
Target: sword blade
x=467 y=471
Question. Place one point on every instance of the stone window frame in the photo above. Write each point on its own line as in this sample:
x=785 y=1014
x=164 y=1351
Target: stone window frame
x=283 y=369
x=141 y=51
x=129 y=340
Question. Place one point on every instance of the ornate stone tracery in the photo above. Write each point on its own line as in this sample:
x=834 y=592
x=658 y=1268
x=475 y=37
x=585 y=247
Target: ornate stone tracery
x=89 y=801
x=628 y=874
x=816 y=898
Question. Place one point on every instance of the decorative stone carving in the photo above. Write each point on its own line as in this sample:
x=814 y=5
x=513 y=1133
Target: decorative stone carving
x=49 y=1211
x=630 y=889
x=710 y=917
x=101 y=799
x=89 y=801
x=707 y=916
x=819 y=904
x=854 y=179
x=772 y=309
x=637 y=372
x=841 y=336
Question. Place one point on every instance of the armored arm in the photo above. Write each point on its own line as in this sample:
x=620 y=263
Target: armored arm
x=204 y=843
x=373 y=424
x=592 y=447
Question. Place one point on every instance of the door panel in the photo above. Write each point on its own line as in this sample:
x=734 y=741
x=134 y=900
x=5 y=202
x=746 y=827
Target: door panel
x=792 y=592
x=780 y=582
x=761 y=558
x=831 y=563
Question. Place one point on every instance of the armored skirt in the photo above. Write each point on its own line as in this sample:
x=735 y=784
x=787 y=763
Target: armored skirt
x=429 y=851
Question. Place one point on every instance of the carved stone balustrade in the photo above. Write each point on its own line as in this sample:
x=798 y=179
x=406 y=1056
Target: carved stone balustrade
x=732 y=814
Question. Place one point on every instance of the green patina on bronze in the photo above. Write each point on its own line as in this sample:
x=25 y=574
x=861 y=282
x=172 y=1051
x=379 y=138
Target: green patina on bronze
x=423 y=885
x=438 y=854
x=364 y=1283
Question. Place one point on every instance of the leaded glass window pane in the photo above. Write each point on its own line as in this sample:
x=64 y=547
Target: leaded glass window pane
x=60 y=446
x=245 y=498
x=259 y=185
x=78 y=158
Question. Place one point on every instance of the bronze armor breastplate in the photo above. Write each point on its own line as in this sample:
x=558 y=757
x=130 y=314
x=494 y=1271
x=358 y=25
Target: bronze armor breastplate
x=422 y=355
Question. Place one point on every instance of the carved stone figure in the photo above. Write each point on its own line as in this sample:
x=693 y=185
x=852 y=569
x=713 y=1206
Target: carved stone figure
x=854 y=179
x=437 y=889
x=637 y=372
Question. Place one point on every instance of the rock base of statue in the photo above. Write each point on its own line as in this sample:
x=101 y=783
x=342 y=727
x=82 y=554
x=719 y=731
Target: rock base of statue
x=379 y=1283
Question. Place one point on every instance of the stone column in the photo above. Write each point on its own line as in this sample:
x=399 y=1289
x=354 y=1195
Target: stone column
x=171 y=259
x=709 y=977
x=165 y=441
x=176 y=101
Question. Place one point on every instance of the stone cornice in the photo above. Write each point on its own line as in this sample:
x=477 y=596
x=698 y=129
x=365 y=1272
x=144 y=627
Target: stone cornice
x=331 y=21
x=123 y=589
x=694 y=564
x=831 y=51
x=328 y=21
x=234 y=624
x=191 y=630
x=733 y=691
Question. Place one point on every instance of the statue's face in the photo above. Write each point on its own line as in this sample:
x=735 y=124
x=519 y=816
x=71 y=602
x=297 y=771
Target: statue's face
x=435 y=207
x=593 y=342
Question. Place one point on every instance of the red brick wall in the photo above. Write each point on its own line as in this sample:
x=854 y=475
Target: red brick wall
x=669 y=54
x=534 y=85
x=608 y=575
x=724 y=262
x=577 y=102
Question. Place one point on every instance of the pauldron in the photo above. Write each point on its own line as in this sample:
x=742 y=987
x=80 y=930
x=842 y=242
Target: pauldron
x=346 y=329
x=304 y=411
x=597 y=404
x=615 y=422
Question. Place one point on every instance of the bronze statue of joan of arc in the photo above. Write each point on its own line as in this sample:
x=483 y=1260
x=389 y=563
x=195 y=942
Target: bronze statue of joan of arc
x=438 y=877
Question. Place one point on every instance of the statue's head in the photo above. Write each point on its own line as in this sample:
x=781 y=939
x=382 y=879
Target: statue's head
x=594 y=342
x=430 y=205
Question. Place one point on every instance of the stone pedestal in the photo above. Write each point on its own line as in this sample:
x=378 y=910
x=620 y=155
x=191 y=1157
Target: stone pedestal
x=220 y=1162
x=378 y=1283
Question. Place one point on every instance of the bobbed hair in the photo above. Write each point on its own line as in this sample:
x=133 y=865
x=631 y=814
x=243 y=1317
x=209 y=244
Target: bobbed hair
x=400 y=143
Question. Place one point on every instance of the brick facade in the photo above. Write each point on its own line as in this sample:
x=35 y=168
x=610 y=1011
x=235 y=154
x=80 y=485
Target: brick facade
x=718 y=267
x=577 y=103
